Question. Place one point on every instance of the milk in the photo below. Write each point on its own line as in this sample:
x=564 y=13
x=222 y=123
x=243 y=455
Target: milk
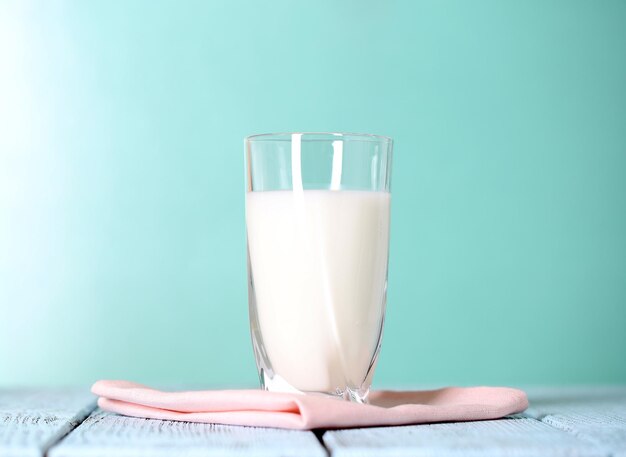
x=318 y=266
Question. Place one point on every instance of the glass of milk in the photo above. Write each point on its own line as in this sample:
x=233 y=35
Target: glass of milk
x=317 y=218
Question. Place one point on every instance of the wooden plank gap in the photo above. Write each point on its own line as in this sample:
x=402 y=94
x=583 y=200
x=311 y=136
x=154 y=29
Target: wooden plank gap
x=80 y=417
x=34 y=420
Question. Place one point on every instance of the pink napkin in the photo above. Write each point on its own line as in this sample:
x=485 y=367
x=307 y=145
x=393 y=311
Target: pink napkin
x=305 y=412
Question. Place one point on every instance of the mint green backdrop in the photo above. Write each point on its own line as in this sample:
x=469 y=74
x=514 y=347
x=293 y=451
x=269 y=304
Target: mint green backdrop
x=122 y=239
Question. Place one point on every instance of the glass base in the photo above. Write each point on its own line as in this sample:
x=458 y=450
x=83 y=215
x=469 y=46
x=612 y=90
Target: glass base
x=276 y=383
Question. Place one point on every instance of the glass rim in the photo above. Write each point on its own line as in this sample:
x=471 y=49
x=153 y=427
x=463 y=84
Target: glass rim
x=286 y=136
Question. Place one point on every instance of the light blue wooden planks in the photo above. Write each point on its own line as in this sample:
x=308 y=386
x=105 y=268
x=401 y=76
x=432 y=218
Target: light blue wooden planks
x=507 y=437
x=33 y=420
x=595 y=415
x=104 y=435
x=560 y=422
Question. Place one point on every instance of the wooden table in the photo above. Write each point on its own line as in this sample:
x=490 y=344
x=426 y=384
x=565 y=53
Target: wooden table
x=571 y=421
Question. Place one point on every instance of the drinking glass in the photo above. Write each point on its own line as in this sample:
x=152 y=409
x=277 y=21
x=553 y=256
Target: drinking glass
x=317 y=220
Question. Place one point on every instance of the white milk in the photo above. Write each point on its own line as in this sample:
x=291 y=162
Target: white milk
x=318 y=260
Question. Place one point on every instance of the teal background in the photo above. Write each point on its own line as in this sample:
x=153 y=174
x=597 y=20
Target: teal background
x=122 y=239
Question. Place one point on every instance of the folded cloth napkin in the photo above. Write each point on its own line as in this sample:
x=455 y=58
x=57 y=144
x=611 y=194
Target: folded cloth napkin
x=305 y=412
